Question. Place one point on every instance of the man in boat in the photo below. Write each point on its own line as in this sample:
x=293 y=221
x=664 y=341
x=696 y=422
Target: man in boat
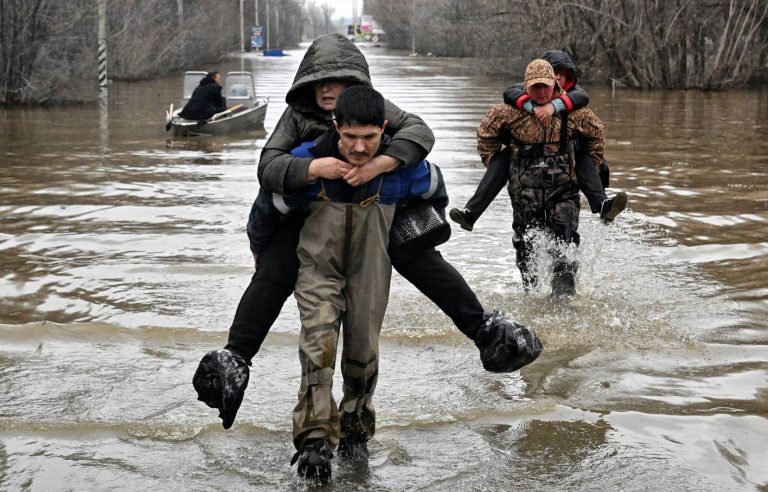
x=542 y=182
x=331 y=64
x=206 y=99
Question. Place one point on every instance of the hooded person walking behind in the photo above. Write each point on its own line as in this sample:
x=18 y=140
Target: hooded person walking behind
x=206 y=99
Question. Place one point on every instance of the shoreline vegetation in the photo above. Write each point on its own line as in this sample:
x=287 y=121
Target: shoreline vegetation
x=48 y=48
x=648 y=44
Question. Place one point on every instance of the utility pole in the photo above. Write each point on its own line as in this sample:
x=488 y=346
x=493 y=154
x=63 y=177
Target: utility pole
x=180 y=15
x=102 y=53
x=413 y=27
x=277 y=25
x=242 y=29
x=269 y=35
x=256 y=10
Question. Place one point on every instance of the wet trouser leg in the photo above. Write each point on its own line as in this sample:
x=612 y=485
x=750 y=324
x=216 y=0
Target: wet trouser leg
x=589 y=181
x=367 y=295
x=268 y=290
x=560 y=219
x=523 y=251
x=544 y=195
x=564 y=222
x=437 y=279
x=493 y=181
x=338 y=280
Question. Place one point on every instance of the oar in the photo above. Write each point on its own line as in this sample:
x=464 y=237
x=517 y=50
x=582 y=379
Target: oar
x=168 y=117
x=228 y=111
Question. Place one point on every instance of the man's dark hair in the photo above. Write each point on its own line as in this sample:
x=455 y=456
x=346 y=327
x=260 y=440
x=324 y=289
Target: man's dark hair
x=359 y=105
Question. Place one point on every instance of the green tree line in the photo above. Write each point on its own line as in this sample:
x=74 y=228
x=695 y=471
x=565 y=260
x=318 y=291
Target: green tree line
x=709 y=44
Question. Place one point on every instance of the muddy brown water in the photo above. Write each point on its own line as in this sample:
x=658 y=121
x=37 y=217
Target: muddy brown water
x=123 y=257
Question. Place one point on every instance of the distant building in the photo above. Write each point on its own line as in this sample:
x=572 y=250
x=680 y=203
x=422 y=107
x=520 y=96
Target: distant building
x=365 y=28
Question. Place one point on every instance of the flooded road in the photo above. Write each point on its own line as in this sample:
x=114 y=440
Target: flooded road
x=123 y=257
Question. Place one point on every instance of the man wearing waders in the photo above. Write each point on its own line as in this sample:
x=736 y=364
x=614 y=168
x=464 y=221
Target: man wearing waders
x=344 y=273
x=330 y=64
x=592 y=179
x=543 y=185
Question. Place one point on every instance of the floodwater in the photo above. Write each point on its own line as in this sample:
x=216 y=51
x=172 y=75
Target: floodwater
x=123 y=257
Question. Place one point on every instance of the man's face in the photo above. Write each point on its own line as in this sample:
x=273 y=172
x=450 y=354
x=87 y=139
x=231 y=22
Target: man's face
x=358 y=143
x=327 y=93
x=217 y=78
x=541 y=93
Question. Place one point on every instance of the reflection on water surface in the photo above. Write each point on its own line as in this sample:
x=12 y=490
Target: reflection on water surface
x=123 y=256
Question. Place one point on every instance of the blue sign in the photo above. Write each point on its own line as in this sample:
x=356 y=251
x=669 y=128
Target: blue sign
x=257 y=37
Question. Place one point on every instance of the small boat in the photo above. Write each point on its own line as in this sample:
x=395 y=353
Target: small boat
x=247 y=112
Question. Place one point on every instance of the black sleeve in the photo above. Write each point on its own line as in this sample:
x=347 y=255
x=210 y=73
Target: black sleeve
x=221 y=103
x=263 y=221
x=279 y=171
x=578 y=96
x=513 y=93
x=411 y=140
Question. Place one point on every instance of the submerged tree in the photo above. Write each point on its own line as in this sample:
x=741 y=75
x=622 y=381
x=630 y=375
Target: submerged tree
x=666 y=43
x=44 y=48
x=48 y=47
x=641 y=43
x=317 y=18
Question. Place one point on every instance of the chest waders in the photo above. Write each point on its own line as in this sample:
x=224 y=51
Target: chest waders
x=344 y=275
x=545 y=195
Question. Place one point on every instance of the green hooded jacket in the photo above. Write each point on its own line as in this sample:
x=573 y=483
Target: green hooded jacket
x=331 y=56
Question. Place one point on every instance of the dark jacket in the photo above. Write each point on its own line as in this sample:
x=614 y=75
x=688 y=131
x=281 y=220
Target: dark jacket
x=331 y=56
x=574 y=97
x=205 y=102
x=423 y=181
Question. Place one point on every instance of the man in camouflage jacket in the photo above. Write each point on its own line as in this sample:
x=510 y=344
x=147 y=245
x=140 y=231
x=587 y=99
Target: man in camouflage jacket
x=543 y=185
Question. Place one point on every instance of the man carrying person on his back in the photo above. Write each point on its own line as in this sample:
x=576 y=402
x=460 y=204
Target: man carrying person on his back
x=542 y=183
x=331 y=64
x=345 y=272
x=591 y=182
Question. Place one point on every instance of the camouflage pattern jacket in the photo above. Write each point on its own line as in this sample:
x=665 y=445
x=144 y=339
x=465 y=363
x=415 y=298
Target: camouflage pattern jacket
x=506 y=125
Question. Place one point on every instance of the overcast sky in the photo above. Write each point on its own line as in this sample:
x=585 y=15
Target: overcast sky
x=342 y=8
